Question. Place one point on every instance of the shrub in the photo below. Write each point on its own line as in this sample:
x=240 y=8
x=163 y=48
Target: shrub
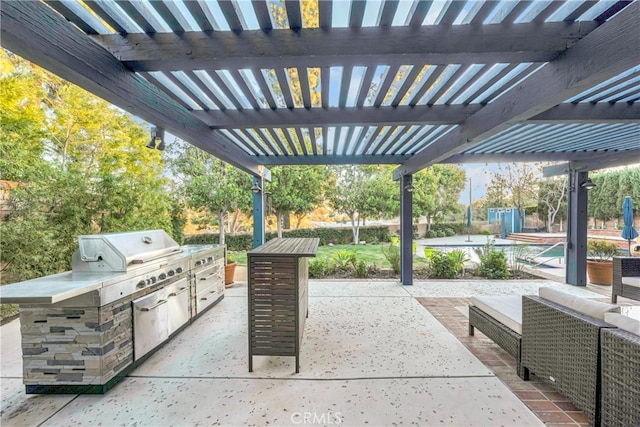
x=440 y=233
x=345 y=259
x=428 y=251
x=361 y=270
x=337 y=236
x=431 y=234
x=485 y=232
x=519 y=252
x=493 y=265
x=447 y=265
x=392 y=254
x=318 y=267
x=449 y=232
x=601 y=250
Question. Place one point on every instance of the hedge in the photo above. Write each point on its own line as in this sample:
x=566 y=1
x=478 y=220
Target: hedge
x=337 y=236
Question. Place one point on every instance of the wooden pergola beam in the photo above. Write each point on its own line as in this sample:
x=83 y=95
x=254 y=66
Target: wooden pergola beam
x=316 y=47
x=597 y=159
x=603 y=54
x=407 y=115
x=34 y=31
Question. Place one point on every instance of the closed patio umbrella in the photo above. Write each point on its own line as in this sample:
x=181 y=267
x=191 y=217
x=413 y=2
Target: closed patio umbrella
x=503 y=230
x=628 y=232
x=468 y=223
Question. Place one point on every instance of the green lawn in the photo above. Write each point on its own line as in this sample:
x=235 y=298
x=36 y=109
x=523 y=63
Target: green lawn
x=372 y=254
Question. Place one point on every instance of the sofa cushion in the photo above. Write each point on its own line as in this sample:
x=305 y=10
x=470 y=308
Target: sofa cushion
x=623 y=322
x=631 y=281
x=586 y=306
x=505 y=309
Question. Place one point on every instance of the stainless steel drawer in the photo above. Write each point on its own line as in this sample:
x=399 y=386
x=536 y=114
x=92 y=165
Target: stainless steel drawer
x=150 y=322
x=207 y=297
x=178 y=304
x=208 y=277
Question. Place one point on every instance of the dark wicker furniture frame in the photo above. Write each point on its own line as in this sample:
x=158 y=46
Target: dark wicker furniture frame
x=278 y=297
x=508 y=339
x=562 y=348
x=620 y=378
x=625 y=267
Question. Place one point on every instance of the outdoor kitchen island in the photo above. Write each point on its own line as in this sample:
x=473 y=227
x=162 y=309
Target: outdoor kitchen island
x=279 y=296
x=127 y=294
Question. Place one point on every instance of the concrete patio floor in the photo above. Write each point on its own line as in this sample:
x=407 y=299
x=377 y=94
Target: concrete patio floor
x=371 y=355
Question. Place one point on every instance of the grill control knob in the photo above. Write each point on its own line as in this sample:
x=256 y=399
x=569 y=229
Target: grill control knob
x=162 y=276
x=153 y=279
x=141 y=284
x=179 y=270
x=210 y=259
x=198 y=262
x=171 y=273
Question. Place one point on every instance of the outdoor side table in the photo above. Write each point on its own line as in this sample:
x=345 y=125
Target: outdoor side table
x=278 y=294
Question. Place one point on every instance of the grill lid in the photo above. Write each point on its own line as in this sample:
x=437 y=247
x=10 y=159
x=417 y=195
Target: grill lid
x=115 y=252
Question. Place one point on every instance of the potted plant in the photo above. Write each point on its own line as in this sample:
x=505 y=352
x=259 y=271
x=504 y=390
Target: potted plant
x=600 y=261
x=229 y=270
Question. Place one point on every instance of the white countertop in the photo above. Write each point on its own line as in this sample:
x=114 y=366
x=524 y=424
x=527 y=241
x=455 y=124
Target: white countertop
x=53 y=289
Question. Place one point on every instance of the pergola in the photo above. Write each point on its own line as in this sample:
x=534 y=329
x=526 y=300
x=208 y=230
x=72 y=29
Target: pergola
x=413 y=83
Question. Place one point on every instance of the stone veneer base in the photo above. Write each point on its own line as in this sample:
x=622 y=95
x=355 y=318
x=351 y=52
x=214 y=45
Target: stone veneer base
x=103 y=388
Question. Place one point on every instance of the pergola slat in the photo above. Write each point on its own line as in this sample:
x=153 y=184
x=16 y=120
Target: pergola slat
x=244 y=88
x=223 y=87
x=388 y=12
x=294 y=15
x=386 y=84
x=344 y=85
x=303 y=77
x=262 y=14
x=452 y=12
x=264 y=88
x=356 y=14
x=167 y=16
x=285 y=89
x=98 y=9
x=187 y=91
x=136 y=16
x=484 y=12
x=325 y=74
x=71 y=16
x=198 y=15
x=402 y=91
x=206 y=90
x=230 y=15
x=366 y=85
x=422 y=8
x=325 y=11
x=435 y=75
x=166 y=90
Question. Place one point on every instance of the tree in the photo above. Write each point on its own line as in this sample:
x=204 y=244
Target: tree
x=437 y=190
x=552 y=199
x=86 y=172
x=209 y=185
x=297 y=189
x=364 y=191
x=517 y=184
x=23 y=120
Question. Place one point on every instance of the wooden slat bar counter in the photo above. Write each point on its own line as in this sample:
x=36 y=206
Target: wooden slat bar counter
x=279 y=297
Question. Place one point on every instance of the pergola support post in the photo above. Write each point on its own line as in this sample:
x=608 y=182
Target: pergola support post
x=406 y=230
x=576 y=267
x=258 y=211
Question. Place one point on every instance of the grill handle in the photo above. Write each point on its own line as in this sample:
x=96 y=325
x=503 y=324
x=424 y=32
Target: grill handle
x=153 y=307
x=175 y=294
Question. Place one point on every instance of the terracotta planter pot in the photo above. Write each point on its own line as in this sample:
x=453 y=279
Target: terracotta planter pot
x=600 y=272
x=229 y=272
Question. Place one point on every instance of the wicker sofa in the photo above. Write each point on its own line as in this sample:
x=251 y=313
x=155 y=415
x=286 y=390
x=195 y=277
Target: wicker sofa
x=620 y=379
x=626 y=278
x=561 y=346
x=499 y=318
